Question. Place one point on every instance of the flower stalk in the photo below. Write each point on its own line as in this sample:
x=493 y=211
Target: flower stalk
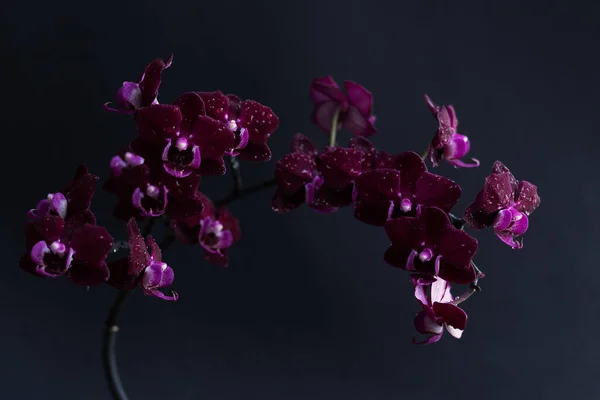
x=109 y=356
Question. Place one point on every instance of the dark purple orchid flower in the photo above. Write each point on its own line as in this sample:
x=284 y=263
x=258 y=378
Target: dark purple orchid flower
x=144 y=267
x=142 y=195
x=324 y=181
x=72 y=200
x=505 y=204
x=189 y=141
x=429 y=244
x=448 y=144
x=398 y=186
x=297 y=176
x=62 y=236
x=353 y=110
x=438 y=311
x=135 y=95
x=216 y=230
x=251 y=122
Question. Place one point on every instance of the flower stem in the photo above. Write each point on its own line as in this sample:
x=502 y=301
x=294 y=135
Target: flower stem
x=241 y=193
x=473 y=287
x=109 y=357
x=234 y=166
x=334 y=127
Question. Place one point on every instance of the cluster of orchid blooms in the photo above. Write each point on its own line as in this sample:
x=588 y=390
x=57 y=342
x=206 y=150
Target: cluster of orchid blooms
x=158 y=173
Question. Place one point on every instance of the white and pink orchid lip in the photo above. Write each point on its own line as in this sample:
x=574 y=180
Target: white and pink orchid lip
x=457 y=147
x=54 y=202
x=158 y=275
x=129 y=160
x=51 y=261
x=152 y=202
x=510 y=222
x=179 y=159
x=213 y=237
x=311 y=188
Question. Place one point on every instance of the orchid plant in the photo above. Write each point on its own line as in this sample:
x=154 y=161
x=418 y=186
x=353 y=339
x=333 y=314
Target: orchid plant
x=156 y=178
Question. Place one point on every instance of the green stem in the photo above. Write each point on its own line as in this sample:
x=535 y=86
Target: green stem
x=334 y=127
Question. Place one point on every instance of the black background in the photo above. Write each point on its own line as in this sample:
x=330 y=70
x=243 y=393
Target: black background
x=307 y=308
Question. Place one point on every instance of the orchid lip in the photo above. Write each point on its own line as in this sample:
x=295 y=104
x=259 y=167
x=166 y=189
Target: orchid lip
x=59 y=203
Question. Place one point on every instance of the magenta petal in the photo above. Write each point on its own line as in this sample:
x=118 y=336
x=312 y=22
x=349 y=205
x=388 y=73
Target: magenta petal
x=119 y=277
x=520 y=224
x=235 y=105
x=435 y=222
x=438 y=191
x=359 y=97
x=498 y=191
x=404 y=232
x=48 y=229
x=185 y=208
x=509 y=239
x=451 y=273
x=425 y=325
x=260 y=120
x=368 y=151
x=91 y=244
x=457 y=147
x=155 y=252
x=397 y=256
x=322 y=115
x=339 y=166
x=158 y=122
x=283 y=202
x=434 y=108
x=330 y=199
x=457 y=247
x=459 y=163
x=379 y=184
x=38 y=252
x=80 y=191
x=411 y=167
x=191 y=106
x=527 y=198
x=217 y=105
x=451 y=315
x=129 y=96
x=375 y=212
x=214 y=167
x=151 y=79
x=255 y=151
x=157 y=293
x=326 y=89
x=357 y=123
x=302 y=144
x=138 y=253
x=293 y=171
x=213 y=137
x=429 y=340
x=503 y=219
x=475 y=216
x=230 y=223
x=88 y=274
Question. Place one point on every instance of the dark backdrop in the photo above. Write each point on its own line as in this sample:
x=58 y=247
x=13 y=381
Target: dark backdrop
x=307 y=308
